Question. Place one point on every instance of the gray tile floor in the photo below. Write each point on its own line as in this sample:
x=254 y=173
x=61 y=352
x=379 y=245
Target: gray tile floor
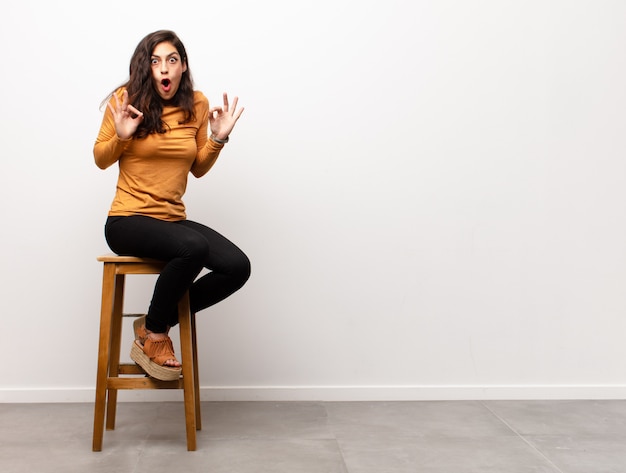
x=322 y=437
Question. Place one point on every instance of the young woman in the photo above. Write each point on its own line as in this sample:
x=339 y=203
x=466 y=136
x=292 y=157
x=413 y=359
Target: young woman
x=158 y=130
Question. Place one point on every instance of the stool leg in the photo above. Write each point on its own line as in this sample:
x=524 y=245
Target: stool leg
x=104 y=346
x=184 y=317
x=196 y=377
x=116 y=344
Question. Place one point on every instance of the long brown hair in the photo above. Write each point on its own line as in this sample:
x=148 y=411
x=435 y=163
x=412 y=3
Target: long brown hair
x=142 y=94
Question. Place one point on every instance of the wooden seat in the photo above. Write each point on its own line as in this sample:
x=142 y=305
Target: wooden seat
x=113 y=375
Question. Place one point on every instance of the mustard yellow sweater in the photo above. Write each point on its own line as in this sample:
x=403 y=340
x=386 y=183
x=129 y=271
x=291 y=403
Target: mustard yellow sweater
x=153 y=171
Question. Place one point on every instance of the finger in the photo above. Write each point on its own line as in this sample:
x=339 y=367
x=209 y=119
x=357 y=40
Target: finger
x=238 y=114
x=117 y=104
x=214 y=110
x=235 y=100
x=124 y=99
x=135 y=111
x=225 y=102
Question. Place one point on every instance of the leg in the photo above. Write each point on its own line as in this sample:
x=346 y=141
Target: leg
x=229 y=269
x=108 y=287
x=196 y=374
x=184 y=250
x=116 y=343
x=186 y=340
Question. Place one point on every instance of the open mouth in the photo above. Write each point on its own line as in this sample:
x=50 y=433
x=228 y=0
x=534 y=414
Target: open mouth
x=166 y=84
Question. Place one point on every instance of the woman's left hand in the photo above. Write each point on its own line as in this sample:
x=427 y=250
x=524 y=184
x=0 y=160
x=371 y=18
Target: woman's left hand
x=222 y=119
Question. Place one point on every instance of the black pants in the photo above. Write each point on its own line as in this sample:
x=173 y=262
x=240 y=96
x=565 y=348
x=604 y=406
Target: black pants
x=188 y=247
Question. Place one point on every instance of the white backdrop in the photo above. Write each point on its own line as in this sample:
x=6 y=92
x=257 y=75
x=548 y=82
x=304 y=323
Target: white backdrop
x=431 y=193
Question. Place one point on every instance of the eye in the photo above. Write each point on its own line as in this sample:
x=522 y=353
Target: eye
x=154 y=61
x=173 y=60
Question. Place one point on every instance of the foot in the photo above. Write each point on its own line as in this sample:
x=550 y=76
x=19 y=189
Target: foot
x=153 y=357
x=142 y=334
x=166 y=355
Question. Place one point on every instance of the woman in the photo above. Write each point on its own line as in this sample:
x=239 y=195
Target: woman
x=156 y=127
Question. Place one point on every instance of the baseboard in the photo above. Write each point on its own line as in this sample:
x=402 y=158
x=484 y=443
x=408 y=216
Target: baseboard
x=330 y=393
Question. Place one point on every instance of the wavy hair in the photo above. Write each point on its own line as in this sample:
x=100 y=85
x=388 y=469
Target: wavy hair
x=141 y=92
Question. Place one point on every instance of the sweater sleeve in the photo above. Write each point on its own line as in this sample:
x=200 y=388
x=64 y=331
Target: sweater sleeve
x=108 y=147
x=208 y=150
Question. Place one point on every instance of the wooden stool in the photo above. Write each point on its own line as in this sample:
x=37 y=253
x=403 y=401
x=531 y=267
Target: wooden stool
x=108 y=379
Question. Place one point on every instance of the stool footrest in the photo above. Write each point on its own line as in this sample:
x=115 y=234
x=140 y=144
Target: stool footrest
x=143 y=383
x=130 y=368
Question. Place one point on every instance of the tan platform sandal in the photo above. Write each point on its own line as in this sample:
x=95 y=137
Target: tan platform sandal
x=152 y=355
x=139 y=327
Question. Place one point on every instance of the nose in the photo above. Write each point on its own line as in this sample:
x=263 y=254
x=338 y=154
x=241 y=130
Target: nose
x=164 y=67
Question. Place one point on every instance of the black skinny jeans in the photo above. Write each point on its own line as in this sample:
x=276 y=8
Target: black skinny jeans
x=187 y=247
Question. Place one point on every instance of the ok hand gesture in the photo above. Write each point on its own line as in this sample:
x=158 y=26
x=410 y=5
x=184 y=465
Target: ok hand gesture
x=222 y=119
x=126 y=117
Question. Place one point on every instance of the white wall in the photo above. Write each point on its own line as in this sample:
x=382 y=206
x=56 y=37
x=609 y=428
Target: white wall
x=432 y=194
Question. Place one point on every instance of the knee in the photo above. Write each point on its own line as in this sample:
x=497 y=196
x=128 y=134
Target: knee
x=242 y=269
x=239 y=269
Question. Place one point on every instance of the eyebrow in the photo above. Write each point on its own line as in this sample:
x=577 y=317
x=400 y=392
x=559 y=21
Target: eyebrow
x=175 y=53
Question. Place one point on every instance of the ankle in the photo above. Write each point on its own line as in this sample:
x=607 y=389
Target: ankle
x=154 y=336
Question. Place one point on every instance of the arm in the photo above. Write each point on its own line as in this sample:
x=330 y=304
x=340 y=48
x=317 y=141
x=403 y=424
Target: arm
x=221 y=121
x=109 y=146
x=119 y=123
x=208 y=152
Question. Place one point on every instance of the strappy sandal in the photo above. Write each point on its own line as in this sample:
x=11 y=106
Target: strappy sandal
x=152 y=355
x=139 y=326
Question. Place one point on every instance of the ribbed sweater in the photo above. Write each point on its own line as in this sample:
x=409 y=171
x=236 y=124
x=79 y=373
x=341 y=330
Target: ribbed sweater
x=153 y=171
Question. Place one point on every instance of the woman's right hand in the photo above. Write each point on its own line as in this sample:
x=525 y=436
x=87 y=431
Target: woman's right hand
x=126 y=117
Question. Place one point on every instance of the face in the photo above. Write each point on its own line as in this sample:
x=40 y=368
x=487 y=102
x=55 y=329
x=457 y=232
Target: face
x=167 y=70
